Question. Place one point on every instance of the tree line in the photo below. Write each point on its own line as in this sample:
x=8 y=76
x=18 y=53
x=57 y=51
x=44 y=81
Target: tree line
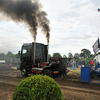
x=85 y=55
x=8 y=55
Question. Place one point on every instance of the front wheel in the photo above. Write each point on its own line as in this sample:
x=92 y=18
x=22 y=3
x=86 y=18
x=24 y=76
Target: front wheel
x=48 y=72
x=24 y=72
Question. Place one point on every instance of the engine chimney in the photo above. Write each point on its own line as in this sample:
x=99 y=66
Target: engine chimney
x=47 y=51
x=34 y=52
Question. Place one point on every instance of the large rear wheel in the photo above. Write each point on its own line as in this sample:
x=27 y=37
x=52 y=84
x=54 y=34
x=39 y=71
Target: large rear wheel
x=48 y=72
x=24 y=71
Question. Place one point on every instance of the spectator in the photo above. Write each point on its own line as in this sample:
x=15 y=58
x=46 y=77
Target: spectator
x=10 y=64
x=92 y=65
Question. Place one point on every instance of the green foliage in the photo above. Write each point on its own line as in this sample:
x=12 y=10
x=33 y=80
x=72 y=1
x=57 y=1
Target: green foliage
x=17 y=62
x=2 y=56
x=85 y=53
x=70 y=55
x=17 y=55
x=87 y=59
x=57 y=55
x=10 y=55
x=64 y=56
x=76 y=56
x=37 y=87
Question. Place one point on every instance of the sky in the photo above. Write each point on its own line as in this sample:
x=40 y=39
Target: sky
x=74 y=25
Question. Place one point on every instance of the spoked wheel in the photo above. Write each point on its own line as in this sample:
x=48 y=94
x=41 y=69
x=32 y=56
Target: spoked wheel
x=48 y=72
x=24 y=72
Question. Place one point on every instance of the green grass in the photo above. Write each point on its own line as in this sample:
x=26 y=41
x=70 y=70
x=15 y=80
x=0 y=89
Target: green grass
x=1 y=96
x=77 y=71
x=14 y=68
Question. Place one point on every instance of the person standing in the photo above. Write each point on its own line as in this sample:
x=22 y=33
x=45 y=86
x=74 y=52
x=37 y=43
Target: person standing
x=92 y=65
x=10 y=64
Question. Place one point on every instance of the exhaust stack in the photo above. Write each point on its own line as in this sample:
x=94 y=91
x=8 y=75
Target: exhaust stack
x=47 y=51
x=34 y=45
x=34 y=52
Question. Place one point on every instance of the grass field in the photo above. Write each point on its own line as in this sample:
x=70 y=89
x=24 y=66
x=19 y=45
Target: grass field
x=77 y=71
x=14 y=68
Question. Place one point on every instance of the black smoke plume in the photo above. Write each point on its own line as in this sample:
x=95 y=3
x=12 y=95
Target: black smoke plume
x=28 y=11
x=44 y=24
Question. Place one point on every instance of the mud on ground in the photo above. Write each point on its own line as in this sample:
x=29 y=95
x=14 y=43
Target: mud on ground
x=71 y=86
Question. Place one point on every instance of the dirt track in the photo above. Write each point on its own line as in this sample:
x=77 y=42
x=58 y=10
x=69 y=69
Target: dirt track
x=71 y=86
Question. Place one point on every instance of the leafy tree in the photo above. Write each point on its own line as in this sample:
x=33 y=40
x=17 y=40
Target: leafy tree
x=17 y=55
x=10 y=55
x=85 y=53
x=76 y=56
x=2 y=56
x=81 y=55
x=64 y=56
x=70 y=55
x=92 y=55
x=57 y=55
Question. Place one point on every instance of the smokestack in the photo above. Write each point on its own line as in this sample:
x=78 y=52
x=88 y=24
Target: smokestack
x=34 y=52
x=47 y=52
x=34 y=49
x=48 y=35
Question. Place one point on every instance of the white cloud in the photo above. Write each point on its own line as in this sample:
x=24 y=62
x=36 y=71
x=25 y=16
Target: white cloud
x=75 y=24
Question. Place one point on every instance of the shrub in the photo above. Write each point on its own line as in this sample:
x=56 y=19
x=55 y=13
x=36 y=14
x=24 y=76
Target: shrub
x=38 y=87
